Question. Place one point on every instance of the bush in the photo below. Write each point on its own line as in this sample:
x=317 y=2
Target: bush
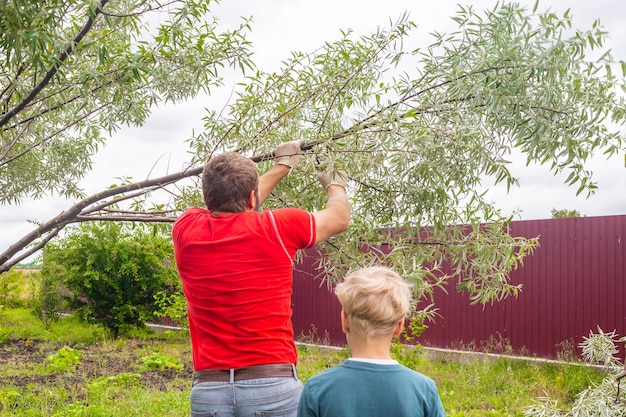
x=112 y=272
x=48 y=301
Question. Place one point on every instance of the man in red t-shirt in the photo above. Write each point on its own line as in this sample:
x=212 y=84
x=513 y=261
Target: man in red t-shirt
x=236 y=268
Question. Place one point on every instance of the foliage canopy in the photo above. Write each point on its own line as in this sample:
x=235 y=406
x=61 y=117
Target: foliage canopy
x=418 y=131
x=75 y=71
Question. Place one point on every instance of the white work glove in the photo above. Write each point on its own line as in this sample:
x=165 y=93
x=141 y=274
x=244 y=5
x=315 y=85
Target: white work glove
x=289 y=153
x=332 y=176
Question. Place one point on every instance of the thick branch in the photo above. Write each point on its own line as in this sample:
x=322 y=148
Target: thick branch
x=143 y=218
x=31 y=250
x=69 y=216
x=82 y=208
x=80 y=211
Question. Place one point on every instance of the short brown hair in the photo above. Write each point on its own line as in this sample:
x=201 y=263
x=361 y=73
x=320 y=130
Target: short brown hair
x=227 y=181
x=374 y=299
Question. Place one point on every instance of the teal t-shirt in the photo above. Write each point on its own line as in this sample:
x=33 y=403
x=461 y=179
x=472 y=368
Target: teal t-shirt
x=364 y=389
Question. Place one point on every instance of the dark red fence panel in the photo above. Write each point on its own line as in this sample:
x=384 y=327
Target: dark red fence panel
x=573 y=283
x=315 y=309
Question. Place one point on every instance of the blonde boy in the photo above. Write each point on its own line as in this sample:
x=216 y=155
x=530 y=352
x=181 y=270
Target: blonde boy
x=375 y=303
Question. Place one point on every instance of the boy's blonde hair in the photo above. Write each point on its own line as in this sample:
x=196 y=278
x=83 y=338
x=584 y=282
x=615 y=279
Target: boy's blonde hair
x=374 y=299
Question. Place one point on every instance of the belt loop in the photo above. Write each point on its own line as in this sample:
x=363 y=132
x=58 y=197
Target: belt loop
x=295 y=371
x=232 y=375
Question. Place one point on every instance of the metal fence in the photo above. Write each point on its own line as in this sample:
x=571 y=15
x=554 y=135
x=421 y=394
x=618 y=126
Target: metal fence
x=573 y=283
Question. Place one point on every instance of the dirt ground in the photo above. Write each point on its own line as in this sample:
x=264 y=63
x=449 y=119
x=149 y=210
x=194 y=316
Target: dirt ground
x=96 y=361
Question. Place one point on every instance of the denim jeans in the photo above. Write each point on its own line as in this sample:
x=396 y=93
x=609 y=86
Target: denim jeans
x=247 y=398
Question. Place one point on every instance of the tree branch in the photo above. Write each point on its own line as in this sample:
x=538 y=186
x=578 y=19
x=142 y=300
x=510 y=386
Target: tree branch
x=39 y=143
x=146 y=10
x=69 y=216
x=79 y=212
x=55 y=67
x=144 y=218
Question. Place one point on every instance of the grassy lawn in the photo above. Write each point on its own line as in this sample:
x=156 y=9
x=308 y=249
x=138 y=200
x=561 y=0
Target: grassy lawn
x=72 y=369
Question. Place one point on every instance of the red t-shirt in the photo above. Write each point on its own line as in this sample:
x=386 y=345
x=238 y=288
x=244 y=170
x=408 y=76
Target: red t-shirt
x=237 y=273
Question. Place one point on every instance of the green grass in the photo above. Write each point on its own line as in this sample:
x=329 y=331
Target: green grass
x=20 y=324
x=501 y=387
x=148 y=374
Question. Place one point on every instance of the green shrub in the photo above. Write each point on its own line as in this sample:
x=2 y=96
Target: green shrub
x=112 y=272
x=8 y=399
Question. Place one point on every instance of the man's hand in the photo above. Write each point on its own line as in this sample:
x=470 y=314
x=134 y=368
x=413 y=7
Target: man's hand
x=289 y=153
x=335 y=218
x=332 y=176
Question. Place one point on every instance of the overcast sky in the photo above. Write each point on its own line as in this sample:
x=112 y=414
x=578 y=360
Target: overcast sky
x=280 y=26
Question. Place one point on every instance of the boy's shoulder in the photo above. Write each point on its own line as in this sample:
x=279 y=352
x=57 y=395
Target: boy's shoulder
x=378 y=371
x=349 y=367
x=329 y=374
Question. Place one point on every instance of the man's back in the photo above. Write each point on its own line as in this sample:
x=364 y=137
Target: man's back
x=236 y=269
x=236 y=272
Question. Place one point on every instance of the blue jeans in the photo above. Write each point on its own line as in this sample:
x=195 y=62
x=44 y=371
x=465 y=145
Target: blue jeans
x=247 y=398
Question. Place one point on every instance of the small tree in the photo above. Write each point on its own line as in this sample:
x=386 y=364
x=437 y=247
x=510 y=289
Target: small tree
x=47 y=298
x=113 y=273
x=564 y=213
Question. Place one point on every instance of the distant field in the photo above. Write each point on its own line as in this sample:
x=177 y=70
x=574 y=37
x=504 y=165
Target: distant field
x=27 y=271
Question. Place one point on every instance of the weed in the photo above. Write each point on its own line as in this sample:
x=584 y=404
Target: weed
x=5 y=332
x=312 y=337
x=497 y=344
x=8 y=399
x=160 y=361
x=566 y=351
x=126 y=379
x=65 y=360
x=73 y=410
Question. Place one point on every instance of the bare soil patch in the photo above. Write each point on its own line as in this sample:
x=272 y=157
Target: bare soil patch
x=106 y=360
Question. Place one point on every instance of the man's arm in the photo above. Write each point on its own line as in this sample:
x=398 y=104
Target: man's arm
x=335 y=218
x=269 y=180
